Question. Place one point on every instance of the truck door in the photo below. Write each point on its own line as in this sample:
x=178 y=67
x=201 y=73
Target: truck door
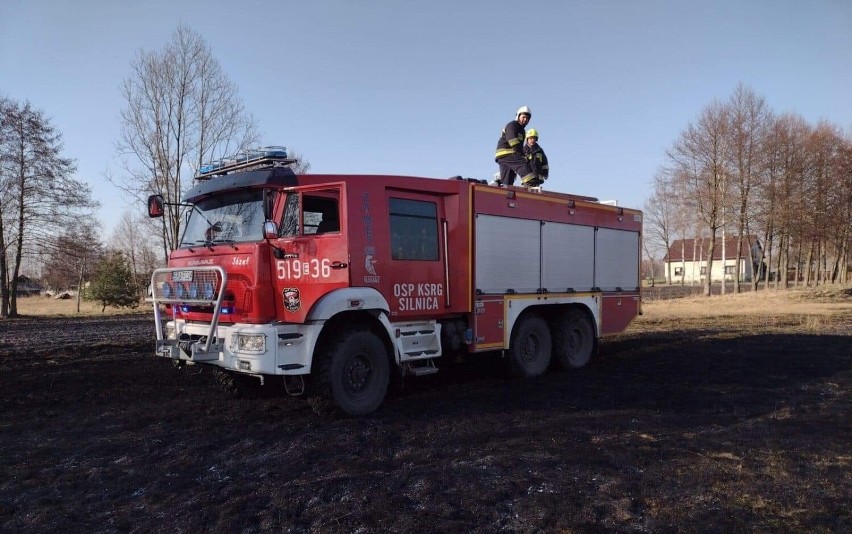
x=314 y=252
x=417 y=274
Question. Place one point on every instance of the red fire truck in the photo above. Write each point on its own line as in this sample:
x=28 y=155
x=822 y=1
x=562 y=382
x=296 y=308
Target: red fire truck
x=336 y=281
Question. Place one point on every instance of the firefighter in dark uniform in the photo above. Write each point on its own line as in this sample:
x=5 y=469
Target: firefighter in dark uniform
x=537 y=158
x=510 y=150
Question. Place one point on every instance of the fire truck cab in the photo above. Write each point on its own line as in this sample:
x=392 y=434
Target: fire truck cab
x=333 y=281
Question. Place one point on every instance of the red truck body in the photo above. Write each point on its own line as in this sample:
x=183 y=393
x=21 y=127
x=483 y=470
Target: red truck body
x=416 y=269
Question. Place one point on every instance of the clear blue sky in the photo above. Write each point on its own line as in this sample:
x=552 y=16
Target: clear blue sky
x=424 y=88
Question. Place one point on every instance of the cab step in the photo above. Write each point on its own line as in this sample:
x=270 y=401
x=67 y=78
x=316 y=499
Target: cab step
x=418 y=340
x=420 y=368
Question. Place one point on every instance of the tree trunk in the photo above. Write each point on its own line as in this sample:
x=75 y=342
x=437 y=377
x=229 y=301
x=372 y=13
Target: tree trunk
x=781 y=267
x=4 y=280
x=724 y=259
x=80 y=284
x=708 y=284
x=767 y=253
x=797 y=268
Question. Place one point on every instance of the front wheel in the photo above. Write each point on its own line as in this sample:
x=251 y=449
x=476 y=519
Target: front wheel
x=237 y=385
x=356 y=371
x=529 y=349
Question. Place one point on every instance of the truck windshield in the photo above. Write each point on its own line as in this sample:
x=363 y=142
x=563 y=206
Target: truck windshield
x=230 y=217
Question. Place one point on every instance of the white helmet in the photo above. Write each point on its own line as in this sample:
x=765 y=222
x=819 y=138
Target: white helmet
x=523 y=110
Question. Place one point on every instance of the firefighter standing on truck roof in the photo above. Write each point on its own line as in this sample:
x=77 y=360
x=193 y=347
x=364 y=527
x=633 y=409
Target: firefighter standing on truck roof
x=537 y=158
x=510 y=155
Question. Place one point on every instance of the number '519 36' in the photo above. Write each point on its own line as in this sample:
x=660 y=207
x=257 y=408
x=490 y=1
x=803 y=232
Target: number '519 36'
x=295 y=269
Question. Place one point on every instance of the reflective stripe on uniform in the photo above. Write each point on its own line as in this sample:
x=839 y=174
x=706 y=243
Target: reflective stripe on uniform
x=504 y=152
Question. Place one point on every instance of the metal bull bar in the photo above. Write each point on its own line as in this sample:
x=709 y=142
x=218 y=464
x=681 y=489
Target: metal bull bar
x=189 y=285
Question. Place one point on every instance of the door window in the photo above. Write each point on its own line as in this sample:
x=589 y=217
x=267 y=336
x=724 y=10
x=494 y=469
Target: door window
x=319 y=213
x=414 y=229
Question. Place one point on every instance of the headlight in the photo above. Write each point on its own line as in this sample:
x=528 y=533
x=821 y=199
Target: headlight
x=209 y=290
x=254 y=343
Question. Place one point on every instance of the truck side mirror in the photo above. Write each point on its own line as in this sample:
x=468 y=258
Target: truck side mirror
x=155 y=206
x=270 y=230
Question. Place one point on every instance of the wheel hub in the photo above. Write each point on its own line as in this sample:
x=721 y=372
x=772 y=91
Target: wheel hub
x=358 y=373
x=530 y=349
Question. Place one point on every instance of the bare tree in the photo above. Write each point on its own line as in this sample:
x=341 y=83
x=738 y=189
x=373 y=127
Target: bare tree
x=684 y=221
x=763 y=206
x=843 y=201
x=181 y=110
x=132 y=237
x=698 y=157
x=40 y=196
x=660 y=215
x=7 y=220
x=790 y=213
x=302 y=165
x=750 y=120
x=825 y=199
x=71 y=259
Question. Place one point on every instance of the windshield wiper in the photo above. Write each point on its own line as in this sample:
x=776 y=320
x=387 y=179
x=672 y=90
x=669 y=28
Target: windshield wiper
x=225 y=241
x=209 y=243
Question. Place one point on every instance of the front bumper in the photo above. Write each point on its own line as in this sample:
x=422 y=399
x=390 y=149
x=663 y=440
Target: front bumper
x=285 y=349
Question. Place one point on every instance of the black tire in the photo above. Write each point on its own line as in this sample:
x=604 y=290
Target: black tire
x=355 y=371
x=530 y=347
x=237 y=385
x=573 y=340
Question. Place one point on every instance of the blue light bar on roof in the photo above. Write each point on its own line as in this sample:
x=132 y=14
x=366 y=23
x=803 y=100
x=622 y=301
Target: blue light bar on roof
x=242 y=159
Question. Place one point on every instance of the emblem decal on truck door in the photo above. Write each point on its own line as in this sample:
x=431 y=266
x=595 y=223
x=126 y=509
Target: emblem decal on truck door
x=292 y=300
x=369 y=263
x=370 y=266
x=369 y=250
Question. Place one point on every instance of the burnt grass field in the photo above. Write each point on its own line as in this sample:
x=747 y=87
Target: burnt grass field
x=695 y=425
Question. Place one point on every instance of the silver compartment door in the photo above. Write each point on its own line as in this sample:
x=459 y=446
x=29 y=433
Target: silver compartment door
x=569 y=257
x=617 y=259
x=508 y=254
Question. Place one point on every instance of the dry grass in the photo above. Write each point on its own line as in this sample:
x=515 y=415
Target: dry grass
x=49 y=306
x=768 y=304
x=820 y=311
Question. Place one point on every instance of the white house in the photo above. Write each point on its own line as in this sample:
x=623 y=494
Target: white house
x=686 y=259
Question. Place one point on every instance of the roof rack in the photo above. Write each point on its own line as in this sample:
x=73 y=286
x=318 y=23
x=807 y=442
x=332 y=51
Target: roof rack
x=259 y=158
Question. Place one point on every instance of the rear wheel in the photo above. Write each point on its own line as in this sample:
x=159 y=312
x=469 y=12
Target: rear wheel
x=574 y=340
x=356 y=371
x=529 y=349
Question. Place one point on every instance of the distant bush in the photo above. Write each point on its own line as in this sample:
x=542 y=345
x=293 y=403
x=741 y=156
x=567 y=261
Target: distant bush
x=113 y=283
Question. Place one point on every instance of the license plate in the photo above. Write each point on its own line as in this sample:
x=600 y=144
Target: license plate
x=182 y=276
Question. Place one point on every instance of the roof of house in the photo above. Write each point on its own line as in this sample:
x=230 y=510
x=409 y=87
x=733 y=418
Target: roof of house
x=696 y=249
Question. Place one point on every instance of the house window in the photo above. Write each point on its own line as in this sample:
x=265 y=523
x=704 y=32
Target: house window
x=704 y=270
x=729 y=269
x=414 y=229
x=678 y=271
